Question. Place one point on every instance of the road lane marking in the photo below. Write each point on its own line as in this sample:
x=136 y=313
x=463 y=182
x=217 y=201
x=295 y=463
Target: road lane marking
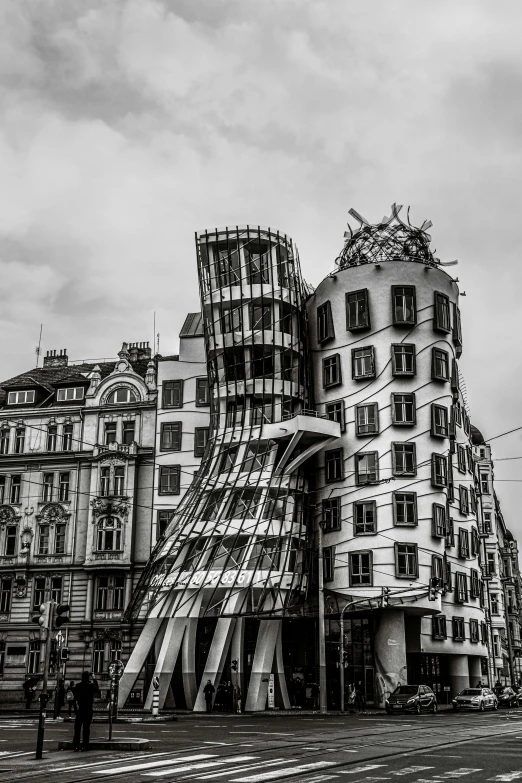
x=508 y=776
x=283 y=773
x=410 y=770
x=201 y=765
x=271 y=733
x=273 y=763
x=111 y=761
x=148 y=765
x=364 y=768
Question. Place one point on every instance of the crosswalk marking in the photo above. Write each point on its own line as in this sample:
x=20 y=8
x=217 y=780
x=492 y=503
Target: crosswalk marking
x=273 y=763
x=163 y=763
x=410 y=770
x=201 y=765
x=365 y=768
x=508 y=776
x=459 y=773
x=110 y=761
x=283 y=773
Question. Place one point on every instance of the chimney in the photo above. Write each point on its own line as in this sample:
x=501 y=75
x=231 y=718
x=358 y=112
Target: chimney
x=133 y=351
x=139 y=352
x=54 y=359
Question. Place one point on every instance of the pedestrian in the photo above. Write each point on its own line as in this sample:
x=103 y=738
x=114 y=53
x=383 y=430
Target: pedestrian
x=351 y=697
x=69 y=698
x=29 y=688
x=209 y=691
x=314 y=693
x=84 y=694
x=359 y=697
x=479 y=684
x=59 y=696
x=238 y=696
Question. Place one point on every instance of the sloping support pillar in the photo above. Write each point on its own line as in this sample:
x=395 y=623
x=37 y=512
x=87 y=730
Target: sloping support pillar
x=166 y=661
x=262 y=665
x=294 y=440
x=306 y=454
x=138 y=657
x=216 y=658
x=188 y=656
x=280 y=669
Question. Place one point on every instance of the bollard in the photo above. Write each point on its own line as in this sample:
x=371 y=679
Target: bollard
x=155 y=696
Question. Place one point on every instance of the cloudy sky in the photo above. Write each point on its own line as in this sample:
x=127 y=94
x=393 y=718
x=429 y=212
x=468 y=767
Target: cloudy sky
x=126 y=125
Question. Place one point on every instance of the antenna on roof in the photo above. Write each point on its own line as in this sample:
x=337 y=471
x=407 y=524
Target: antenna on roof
x=157 y=347
x=154 y=332
x=38 y=347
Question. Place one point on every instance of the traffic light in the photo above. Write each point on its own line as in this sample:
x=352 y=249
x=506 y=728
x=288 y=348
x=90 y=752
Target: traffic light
x=435 y=584
x=385 y=597
x=64 y=653
x=233 y=666
x=60 y=614
x=44 y=616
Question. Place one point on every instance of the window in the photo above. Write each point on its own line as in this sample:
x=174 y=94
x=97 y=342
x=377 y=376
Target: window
x=38 y=592
x=360 y=569
x=438 y=521
x=20 y=398
x=173 y=394
x=122 y=396
x=105 y=478
x=119 y=479
x=6 y=589
x=332 y=514
x=439 y=365
x=16 y=485
x=438 y=627
x=102 y=593
x=404 y=508
x=461 y=459
x=357 y=310
x=110 y=432
x=367 y=467
x=367 y=419
x=475 y=542
x=474 y=631
x=403 y=409
x=255 y=457
x=441 y=321
x=33 y=664
x=163 y=521
x=73 y=393
x=437 y=569
x=463 y=500
x=457 y=327
x=328 y=563
x=63 y=487
x=403 y=359
x=52 y=437
x=10 y=540
x=484 y=483
x=458 y=629
x=232 y=319
x=403 y=305
x=171 y=436
x=334 y=465
x=48 y=481
x=363 y=363
x=2 y=489
x=202 y=392
x=457 y=414
x=461 y=587
x=450 y=532
x=491 y=564
x=200 y=440
x=495 y=606
x=169 y=480
x=258 y=263
x=403 y=459
x=331 y=371
x=260 y=317
x=483 y=633
x=335 y=412
x=59 y=538
x=115 y=650
x=129 y=434
x=364 y=518
x=262 y=362
x=56 y=589
x=109 y=535
x=43 y=539
x=4 y=440
x=110 y=592
x=439 y=421
x=439 y=470
x=406 y=561
x=463 y=543
x=98 y=661
x=325 y=327
x=67 y=441
x=474 y=583
x=19 y=440
x=487 y=522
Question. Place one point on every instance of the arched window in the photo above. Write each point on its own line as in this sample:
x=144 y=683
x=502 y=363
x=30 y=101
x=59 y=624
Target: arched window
x=109 y=535
x=121 y=396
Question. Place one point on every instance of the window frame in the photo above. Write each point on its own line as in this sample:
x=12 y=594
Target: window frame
x=165 y=389
x=439 y=627
x=412 y=451
x=461 y=587
x=202 y=401
x=341 y=420
x=463 y=500
x=474 y=634
x=325 y=325
x=440 y=357
x=458 y=629
x=414 y=574
x=358 y=458
x=15 y=397
x=331 y=514
x=175 y=430
x=407 y=422
x=439 y=520
x=361 y=582
x=394 y=292
x=352 y=326
x=396 y=522
x=441 y=312
x=355 y=359
x=334 y=365
x=439 y=460
x=363 y=504
x=464 y=548
x=329 y=563
x=176 y=472
x=439 y=429
x=329 y=460
x=199 y=449
x=413 y=353
x=375 y=425
x=61 y=394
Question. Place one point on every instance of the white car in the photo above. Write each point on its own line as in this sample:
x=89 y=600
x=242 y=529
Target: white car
x=475 y=699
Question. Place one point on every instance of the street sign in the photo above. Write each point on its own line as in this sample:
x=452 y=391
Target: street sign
x=116 y=670
x=447 y=688
x=59 y=638
x=271 y=692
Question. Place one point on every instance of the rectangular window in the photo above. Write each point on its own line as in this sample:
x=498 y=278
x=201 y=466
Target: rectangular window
x=463 y=500
x=332 y=514
x=6 y=590
x=10 y=540
x=19 y=440
x=438 y=521
x=67 y=441
x=73 y=393
x=491 y=564
x=236 y=411
x=363 y=363
x=495 y=606
x=440 y=365
x=334 y=465
x=450 y=532
x=4 y=440
x=202 y=393
x=98 y=660
x=484 y=483
x=405 y=508
x=357 y=310
x=457 y=327
x=367 y=419
x=463 y=543
x=262 y=361
x=52 y=437
x=364 y=518
x=403 y=359
x=367 y=467
x=483 y=633
x=173 y=394
x=439 y=470
x=475 y=542
x=59 y=538
x=56 y=589
x=403 y=305
x=335 y=412
x=110 y=432
x=406 y=561
x=325 y=327
x=38 y=592
x=360 y=568
x=102 y=593
x=487 y=522
x=403 y=409
x=461 y=588
x=403 y=459
x=47 y=493
x=16 y=486
x=119 y=480
x=461 y=459
x=439 y=421
x=438 y=627
x=328 y=563
x=33 y=664
x=2 y=490
x=258 y=263
x=162 y=522
x=105 y=478
x=20 y=398
x=43 y=539
x=169 y=483
x=260 y=317
x=474 y=583
x=458 y=629
x=474 y=631
x=63 y=487
x=118 y=592
x=171 y=436
x=441 y=321
x=331 y=371
x=200 y=440
x=232 y=319
x=437 y=570
x=129 y=432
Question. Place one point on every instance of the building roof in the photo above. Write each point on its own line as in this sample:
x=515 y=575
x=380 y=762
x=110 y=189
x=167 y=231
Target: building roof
x=477 y=437
x=193 y=326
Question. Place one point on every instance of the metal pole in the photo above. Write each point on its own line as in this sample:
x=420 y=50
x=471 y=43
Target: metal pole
x=111 y=700
x=341 y=656
x=44 y=697
x=508 y=630
x=323 y=708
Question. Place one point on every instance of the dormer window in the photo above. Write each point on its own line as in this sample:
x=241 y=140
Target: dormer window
x=20 y=397
x=73 y=393
x=121 y=396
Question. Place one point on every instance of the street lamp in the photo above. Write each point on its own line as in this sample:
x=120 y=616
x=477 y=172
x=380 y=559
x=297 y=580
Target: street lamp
x=323 y=708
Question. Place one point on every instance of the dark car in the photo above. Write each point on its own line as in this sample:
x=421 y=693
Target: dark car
x=475 y=699
x=411 y=698
x=508 y=698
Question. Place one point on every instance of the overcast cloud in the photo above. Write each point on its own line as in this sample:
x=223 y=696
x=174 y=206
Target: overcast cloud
x=126 y=125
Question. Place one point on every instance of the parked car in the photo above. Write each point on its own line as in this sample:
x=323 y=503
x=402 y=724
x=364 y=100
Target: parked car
x=475 y=699
x=508 y=698
x=411 y=698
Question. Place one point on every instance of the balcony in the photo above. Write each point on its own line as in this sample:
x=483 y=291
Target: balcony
x=305 y=430
x=127 y=449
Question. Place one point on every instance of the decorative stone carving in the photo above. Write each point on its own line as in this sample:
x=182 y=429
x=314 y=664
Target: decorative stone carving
x=95 y=379
x=110 y=507
x=109 y=634
x=51 y=513
x=150 y=376
x=7 y=515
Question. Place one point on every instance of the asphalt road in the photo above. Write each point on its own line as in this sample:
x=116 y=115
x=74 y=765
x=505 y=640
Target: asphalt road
x=305 y=749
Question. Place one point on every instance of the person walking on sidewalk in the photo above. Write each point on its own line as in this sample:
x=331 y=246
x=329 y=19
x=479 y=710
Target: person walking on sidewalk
x=209 y=691
x=29 y=688
x=69 y=697
x=84 y=694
